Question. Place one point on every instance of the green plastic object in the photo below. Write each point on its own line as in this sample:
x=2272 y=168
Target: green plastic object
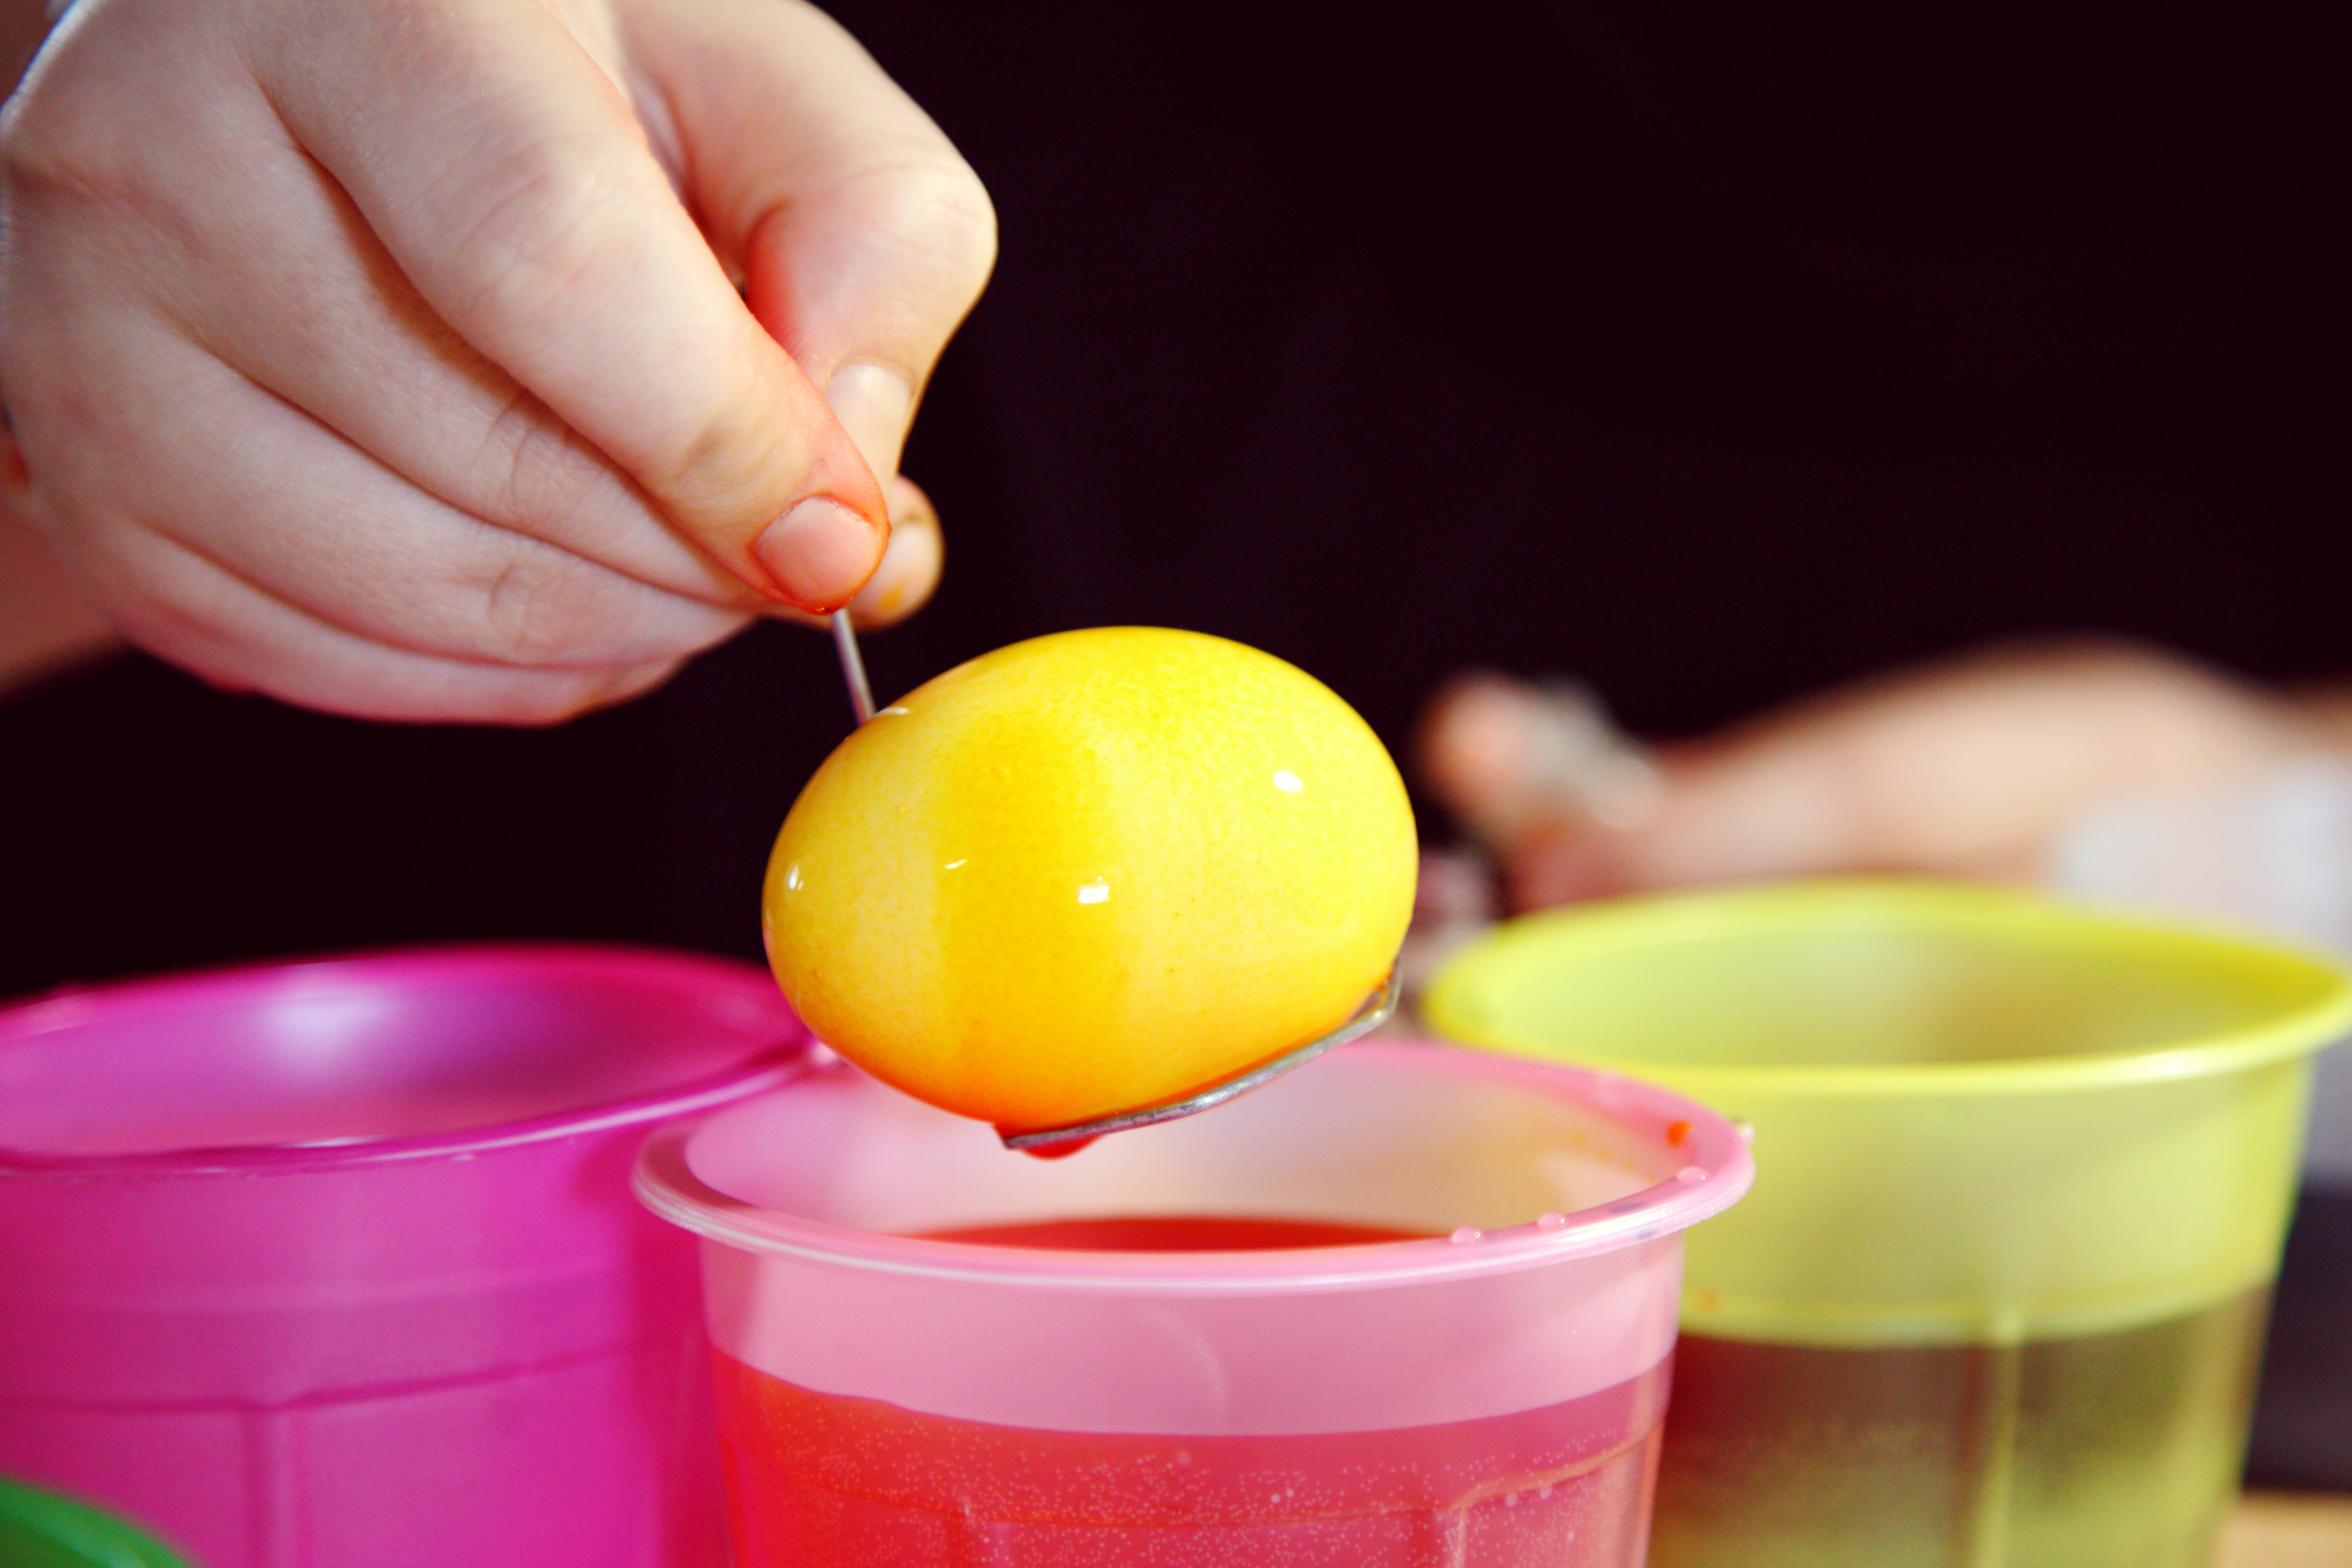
x=42 y=1529
x=2024 y=1170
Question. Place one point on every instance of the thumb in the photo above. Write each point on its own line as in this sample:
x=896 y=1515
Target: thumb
x=864 y=237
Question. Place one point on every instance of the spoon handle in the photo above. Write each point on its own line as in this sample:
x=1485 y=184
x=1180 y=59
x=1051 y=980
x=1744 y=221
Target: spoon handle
x=853 y=667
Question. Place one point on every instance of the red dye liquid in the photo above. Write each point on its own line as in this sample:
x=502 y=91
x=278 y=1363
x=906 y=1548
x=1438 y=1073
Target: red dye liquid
x=1057 y=1150
x=821 y=1480
x=1176 y=1232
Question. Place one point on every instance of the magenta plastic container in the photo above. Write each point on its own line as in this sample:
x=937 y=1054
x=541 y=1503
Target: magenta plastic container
x=334 y=1264
x=1486 y=1396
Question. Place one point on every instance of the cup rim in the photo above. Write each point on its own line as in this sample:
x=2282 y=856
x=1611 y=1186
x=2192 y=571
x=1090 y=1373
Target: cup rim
x=665 y=1183
x=1452 y=1004
x=67 y=1006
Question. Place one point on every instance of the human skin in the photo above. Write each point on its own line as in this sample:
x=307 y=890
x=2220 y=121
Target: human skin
x=46 y=624
x=1971 y=767
x=479 y=361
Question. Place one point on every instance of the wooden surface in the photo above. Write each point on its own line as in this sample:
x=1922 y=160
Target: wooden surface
x=2280 y=1529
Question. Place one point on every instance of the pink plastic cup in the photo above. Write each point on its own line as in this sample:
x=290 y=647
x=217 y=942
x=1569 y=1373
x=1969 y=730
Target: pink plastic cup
x=334 y=1264
x=1485 y=1395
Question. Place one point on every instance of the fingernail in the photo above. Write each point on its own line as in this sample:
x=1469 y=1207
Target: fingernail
x=819 y=554
x=910 y=566
x=874 y=402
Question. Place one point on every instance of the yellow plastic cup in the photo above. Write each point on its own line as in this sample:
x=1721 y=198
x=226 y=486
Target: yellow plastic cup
x=2024 y=1172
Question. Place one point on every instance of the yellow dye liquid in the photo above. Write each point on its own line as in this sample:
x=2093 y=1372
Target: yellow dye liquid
x=2109 y=1450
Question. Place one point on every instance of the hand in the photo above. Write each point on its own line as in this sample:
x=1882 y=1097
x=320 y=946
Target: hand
x=1970 y=769
x=384 y=356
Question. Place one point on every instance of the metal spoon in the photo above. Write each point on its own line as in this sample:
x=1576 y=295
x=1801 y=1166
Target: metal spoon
x=852 y=666
x=1377 y=1010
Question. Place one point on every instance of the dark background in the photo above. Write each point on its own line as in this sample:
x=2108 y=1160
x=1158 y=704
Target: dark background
x=1709 y=354
x=1712 y=354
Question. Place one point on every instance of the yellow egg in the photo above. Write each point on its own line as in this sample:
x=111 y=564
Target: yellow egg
x=1091 y=872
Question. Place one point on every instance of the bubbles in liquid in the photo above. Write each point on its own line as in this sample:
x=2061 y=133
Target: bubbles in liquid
x=1691 y=1175
x=1466 y=1235
x=1551 y=1221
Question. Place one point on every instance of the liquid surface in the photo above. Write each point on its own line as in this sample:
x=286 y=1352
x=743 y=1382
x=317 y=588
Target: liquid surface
x=2117 y=1450
x=1176 y=1232
x=818 y=1480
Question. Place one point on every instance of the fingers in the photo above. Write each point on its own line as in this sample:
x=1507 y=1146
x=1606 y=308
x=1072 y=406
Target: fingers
x=911 y=567
x=181 y=606
x=253 y=546
x=323 y=319
x=864 y=236
x=510 y=183
x=174 y=600
x=422 y=375
x=1475 y=748
x=268 y=494
x=1965 y=769
x=46 y=623
x=1506 y=757
x=1543 y=777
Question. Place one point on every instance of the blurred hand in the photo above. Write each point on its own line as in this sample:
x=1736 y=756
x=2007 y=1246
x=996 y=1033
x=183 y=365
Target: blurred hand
x=1968 y=769
x=387 y=355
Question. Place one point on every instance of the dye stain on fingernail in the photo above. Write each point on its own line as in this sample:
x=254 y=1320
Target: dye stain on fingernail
x=819 y=554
